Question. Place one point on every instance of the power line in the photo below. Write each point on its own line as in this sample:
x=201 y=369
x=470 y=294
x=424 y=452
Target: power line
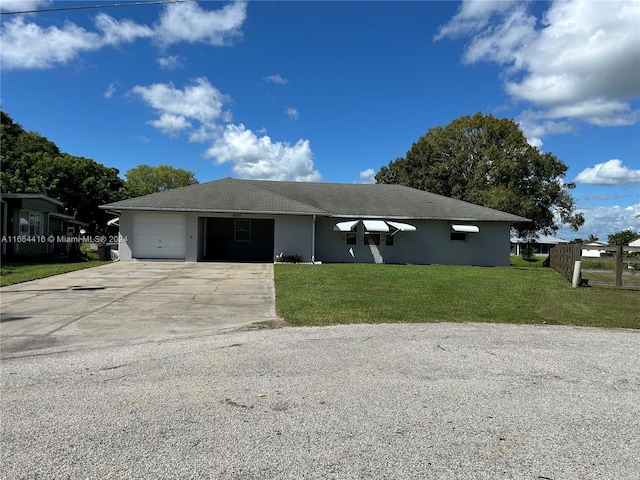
x=85 y=7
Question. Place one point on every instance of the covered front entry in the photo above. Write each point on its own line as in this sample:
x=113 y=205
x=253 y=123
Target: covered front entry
x=236 y=239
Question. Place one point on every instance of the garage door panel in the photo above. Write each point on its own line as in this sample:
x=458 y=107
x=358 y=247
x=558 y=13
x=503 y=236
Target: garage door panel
x=159 y=236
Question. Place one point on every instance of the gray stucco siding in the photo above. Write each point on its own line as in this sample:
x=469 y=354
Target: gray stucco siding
x=293 y=236
x=429 y=244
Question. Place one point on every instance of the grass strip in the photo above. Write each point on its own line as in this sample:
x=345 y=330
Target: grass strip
x=18 y=272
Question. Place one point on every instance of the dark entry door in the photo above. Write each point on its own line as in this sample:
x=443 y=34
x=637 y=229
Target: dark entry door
x=238 y=239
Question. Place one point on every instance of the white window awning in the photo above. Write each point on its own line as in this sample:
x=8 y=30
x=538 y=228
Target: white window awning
x=345 y=226
x=465 y=228
x=375 y=226
x=402 y=227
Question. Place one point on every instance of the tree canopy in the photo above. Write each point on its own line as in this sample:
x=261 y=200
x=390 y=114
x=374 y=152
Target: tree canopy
x=30 y=163
x=487 y=161
x=144 y=179
x=623 y=237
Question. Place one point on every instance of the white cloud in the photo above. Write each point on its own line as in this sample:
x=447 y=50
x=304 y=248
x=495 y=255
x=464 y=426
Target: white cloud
x=111 y=89
x=115 y=32
x=260 y=158
x=292 y=113
x=187 y=22
x=367 y=176
x=611 y=172
x=603 y=221
x=200 y=101
x=170 y=124
x=535 y=127
x=277 y=79
x=472 y=17
x=579 y=62
x=22 y=5
x=28 y=45
x=197 y=109
x=171 y=62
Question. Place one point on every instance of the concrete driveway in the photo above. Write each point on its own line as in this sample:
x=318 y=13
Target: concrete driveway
x=133 y=301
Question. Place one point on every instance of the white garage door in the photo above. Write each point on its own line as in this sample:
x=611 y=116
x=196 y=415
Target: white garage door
x=159 y=236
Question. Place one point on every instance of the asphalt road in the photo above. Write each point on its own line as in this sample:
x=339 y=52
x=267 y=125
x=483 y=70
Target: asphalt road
x=441 y=401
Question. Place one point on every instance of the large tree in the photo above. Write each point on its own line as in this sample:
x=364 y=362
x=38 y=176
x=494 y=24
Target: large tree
x=32 y=164
x=144 y=179
x=487 y=161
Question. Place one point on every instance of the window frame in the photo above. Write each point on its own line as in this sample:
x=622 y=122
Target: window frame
x=34 y=224
x=389 y=240
x=238 y=222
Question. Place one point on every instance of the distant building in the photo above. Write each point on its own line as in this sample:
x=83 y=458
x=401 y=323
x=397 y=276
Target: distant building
x=593 y=252
x=34 y=224
x=542 y=244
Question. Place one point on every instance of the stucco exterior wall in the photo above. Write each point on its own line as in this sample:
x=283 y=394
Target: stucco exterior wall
x=293 y=236
x=429 y=244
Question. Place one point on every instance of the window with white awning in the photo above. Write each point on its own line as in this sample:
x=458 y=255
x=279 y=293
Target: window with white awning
x=461 y=232
x=373 y=230
x=465 y=228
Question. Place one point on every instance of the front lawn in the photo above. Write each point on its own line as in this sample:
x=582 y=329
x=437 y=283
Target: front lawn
x=358 y=293
x=25 y=270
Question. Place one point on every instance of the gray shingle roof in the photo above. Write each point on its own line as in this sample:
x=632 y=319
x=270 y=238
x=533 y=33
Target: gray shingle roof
x=307 y=198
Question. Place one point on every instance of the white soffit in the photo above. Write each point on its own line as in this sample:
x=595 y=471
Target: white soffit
x=465 y=228
x=403 y=227
x=345 y=226
x=375 y=226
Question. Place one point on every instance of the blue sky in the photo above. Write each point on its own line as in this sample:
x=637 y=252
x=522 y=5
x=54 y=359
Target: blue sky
x=331 y=91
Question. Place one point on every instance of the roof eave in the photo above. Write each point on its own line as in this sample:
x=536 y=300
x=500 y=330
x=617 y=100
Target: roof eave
x=206 y=210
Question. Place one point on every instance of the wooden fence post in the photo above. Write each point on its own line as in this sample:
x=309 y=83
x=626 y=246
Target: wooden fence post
x=619 y=265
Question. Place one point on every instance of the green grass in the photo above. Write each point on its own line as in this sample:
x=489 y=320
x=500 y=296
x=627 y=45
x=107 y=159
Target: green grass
x=595 y=265
x=535 y=262
x=357 y=293
x=31 y=269
x=609 y=277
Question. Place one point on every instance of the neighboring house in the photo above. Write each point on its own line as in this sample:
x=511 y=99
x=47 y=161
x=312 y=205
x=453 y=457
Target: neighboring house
x=593 y=251
x=34 y=224
x=635 y=242
x=257 y=220
x=542 y=244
